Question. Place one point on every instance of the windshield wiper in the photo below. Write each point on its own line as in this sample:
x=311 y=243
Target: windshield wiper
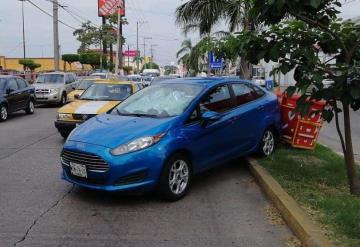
x=137 y=114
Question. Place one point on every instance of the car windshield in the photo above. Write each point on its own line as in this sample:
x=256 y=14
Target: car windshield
x=50 y=78
x=84 y=84
x=107 y=92
x=165 y=100
x=100 y=76
x=2 y=83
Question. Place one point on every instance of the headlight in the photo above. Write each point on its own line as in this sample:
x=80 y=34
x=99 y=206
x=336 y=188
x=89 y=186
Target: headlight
x=54 y=90
x=64 y=116
x=137 y=144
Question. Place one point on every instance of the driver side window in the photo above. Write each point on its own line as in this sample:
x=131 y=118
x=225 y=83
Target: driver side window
x=12 y=85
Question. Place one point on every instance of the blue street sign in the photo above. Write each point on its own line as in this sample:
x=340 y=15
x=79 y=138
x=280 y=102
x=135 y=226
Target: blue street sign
x=214 y=62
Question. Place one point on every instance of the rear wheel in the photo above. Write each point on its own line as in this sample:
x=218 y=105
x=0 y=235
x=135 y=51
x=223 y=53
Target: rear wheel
x=175 y=178
x=267 y=145
x=3 y=113
x=30 y=109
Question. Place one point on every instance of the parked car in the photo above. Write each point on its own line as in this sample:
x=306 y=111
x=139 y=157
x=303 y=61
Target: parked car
x=15 y=95
x=54 y=87
x=104 y=75
x=100 y=97
x=81 y=86
x=161 y=136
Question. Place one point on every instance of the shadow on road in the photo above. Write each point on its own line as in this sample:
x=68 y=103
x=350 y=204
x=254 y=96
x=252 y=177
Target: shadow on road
x=201 y=182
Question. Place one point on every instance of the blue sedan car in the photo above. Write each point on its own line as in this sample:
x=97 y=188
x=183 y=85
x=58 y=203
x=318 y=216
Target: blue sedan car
x=161 y=136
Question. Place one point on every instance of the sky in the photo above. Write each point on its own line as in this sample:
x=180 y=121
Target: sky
x=156 y=16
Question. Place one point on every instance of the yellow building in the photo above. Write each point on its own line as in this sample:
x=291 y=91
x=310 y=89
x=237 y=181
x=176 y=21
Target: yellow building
x=47 y=64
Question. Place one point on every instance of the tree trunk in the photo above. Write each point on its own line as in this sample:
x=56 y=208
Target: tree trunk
x=111 y=57
x=349 y=153
x=245 y=69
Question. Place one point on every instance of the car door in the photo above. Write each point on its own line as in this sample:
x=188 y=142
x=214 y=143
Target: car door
x=249 y=114
x=24 y=92
x=211 y=144
x=13 y=97
x=68 y=83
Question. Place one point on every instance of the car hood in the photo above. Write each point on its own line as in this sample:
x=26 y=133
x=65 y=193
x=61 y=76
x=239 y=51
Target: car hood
x=77 y=91
x=92 y=107
x=47 y=85
x=111 y=130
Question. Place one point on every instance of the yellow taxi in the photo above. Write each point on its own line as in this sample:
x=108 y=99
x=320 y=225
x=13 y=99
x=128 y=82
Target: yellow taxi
x=99 y=98
x=82 y=85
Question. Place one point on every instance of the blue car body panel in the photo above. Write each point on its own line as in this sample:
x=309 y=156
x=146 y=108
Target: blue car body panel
x=237 y=133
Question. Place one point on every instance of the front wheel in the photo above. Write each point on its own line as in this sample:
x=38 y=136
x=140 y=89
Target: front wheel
x=175 y=178
x=267 y=145
x=3 y=113
x=63 y=99
x=30 y=109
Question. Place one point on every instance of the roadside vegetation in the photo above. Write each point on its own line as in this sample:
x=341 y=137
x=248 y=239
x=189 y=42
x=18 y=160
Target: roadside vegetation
x=317 y=180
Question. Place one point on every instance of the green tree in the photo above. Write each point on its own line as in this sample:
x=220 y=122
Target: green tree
x=70 y=58
x=307 y=36
x=150 y=65
x=91 y=58
x=204 y=15
x=29 y=63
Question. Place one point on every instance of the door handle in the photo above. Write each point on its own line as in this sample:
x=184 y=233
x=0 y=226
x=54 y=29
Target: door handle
x=261 y=108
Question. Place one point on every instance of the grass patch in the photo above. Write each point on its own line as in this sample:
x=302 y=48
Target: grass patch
x=317 y=180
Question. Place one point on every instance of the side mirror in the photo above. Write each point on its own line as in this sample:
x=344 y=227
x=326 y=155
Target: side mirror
x=209 y=117
x=76 y=96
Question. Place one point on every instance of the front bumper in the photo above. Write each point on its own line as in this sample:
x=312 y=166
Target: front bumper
x=65 y=127
x=47 y=98
x=138 y=171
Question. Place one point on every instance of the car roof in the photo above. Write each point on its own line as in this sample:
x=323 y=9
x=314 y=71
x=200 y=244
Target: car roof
x=7 y=76
x=207 y=81
x=56 y=73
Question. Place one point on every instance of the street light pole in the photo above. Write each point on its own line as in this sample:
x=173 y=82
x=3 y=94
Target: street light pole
x=137 y=47
x=23 y=28
x=56 y=35
x=145 y=38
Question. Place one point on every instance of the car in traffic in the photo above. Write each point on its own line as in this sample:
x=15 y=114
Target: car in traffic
x=15 y=95
x=53 y=88
x=81 y=86
x=100 y=97
x=160 y=137
x=104 y=75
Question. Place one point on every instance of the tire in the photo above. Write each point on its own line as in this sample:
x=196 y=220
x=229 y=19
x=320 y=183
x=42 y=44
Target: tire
x=63 y=99
x=175 y=178
x=268 y=143
x=3 y=113
x=30 y=109
x=64 y=134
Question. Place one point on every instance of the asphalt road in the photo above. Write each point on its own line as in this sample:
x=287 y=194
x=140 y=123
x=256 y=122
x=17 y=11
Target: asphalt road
x=330 y=137
x=37 y=208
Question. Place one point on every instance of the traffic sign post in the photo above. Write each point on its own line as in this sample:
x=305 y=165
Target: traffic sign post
x=215 y=62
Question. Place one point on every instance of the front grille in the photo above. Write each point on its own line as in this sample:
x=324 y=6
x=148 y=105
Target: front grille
x=42 y=91
x=82 y=117
x=91 y=161
x=86 y=180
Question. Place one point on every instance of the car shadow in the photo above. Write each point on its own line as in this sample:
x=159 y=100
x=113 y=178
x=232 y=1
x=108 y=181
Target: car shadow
x=201 y=182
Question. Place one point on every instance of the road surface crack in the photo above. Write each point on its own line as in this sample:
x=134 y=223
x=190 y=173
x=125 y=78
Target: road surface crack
x=42 y=215
x=27 y=146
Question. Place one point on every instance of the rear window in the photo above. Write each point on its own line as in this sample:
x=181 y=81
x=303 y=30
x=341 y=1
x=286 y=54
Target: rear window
x=107 y=92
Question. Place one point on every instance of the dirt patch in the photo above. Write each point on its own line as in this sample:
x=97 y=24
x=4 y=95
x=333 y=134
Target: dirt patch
x=293 y=242
x=309 y=160
x=273 y=216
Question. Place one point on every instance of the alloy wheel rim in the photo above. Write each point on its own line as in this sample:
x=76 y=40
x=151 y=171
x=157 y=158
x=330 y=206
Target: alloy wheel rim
x=178 y=177
x=269 y=142
x=31 y=106
x=3 y=113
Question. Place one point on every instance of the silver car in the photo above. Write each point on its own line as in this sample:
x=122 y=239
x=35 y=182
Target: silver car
x=53 y=88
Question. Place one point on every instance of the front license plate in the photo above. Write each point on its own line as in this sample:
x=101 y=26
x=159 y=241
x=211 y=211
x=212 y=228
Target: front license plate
x=78 y=170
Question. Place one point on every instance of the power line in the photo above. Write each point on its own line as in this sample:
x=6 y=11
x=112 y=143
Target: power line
x=50 y=15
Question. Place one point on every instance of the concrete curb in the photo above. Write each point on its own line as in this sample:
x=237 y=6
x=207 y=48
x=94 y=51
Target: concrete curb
x=307 y=231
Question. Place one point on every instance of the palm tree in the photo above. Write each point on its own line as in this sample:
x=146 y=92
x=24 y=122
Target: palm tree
x=203 y=15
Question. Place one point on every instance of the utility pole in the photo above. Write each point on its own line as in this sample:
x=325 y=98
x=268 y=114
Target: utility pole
x=56 y=35
x=23 y=30
x=152 y=51
x=128 y=48
x=137 y=47
x=145 y=38
x=119 y=56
